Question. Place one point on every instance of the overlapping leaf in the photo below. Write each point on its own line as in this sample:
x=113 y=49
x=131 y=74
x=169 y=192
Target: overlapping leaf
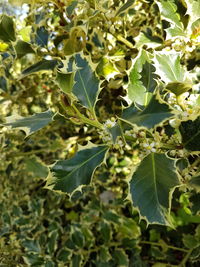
x=153 y=114
x=7 y=31
x=30 y=124
x=190 y=132
x=151 y=187
x=86 y=86
x=168 y=11
x=141 y=80
x=69 y=175
x=40 y=66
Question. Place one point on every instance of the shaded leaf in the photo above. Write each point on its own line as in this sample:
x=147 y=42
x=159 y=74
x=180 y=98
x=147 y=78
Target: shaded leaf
x=65 y=81
x=86 y=85
x=42 y=36
x=22 y=48
x=30 y=124
x=70 y=8
x=120 y=258
x=151 y=187
x=153 y=114
x=190 y=133
x=69 y=175
x=7 y=29
x=3 y=83
x=40 y=66
x=195 y=182
x=124 y=7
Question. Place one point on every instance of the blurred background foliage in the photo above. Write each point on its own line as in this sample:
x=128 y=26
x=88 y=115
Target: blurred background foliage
x=97 y=227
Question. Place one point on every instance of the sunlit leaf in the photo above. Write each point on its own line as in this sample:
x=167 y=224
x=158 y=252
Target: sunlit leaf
x=168 y=67
x=72 y=174
x=151 y=187
x=137 y=90
x=168 y=11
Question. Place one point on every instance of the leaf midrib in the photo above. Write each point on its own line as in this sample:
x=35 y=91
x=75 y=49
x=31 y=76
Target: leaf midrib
x=80 y=165
x=85 y=90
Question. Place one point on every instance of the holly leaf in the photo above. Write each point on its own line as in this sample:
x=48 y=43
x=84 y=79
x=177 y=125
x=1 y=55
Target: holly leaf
x=190 y=133
x=70 y=175
x=151 y=187
x=23 y=48
x=195 y=182
x=7 y=29
x=137 y=90
x=168 y=67
x=124 y=7
x=168 y=11
x=40 y=66
x=153 y=114
x=86 y=84
x=65 y=81
x=29 y=124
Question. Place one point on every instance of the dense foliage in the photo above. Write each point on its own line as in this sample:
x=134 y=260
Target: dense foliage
x=105 y=170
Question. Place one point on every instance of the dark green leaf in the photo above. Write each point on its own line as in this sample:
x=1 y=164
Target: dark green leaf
x=190 y=132
x=3 y=83
x=78 y=239
x=195 y=182
x=42 y=36
x=31 y=245
x=151 y=187
x=7 y=31
x=70 y=8
x=69 y=175
x=125 y=6
x=76 y=260
x=86 y=85
x=120 y=258
x=22 y=48
x=41 y=65
x=30 y=124
x=33 y=260
x=153 y=114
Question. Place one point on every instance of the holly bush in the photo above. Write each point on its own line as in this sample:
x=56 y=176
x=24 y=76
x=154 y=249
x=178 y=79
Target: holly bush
x=105 y=170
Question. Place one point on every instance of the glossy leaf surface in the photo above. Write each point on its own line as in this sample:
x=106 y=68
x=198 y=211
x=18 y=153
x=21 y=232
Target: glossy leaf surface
x=7 y=31
x=86 y=85
x=151 y=187
x=30 y=124
x=69 y=175
x=190 y=132
x=40 y=66
x=168 y=11
x=153 y=114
